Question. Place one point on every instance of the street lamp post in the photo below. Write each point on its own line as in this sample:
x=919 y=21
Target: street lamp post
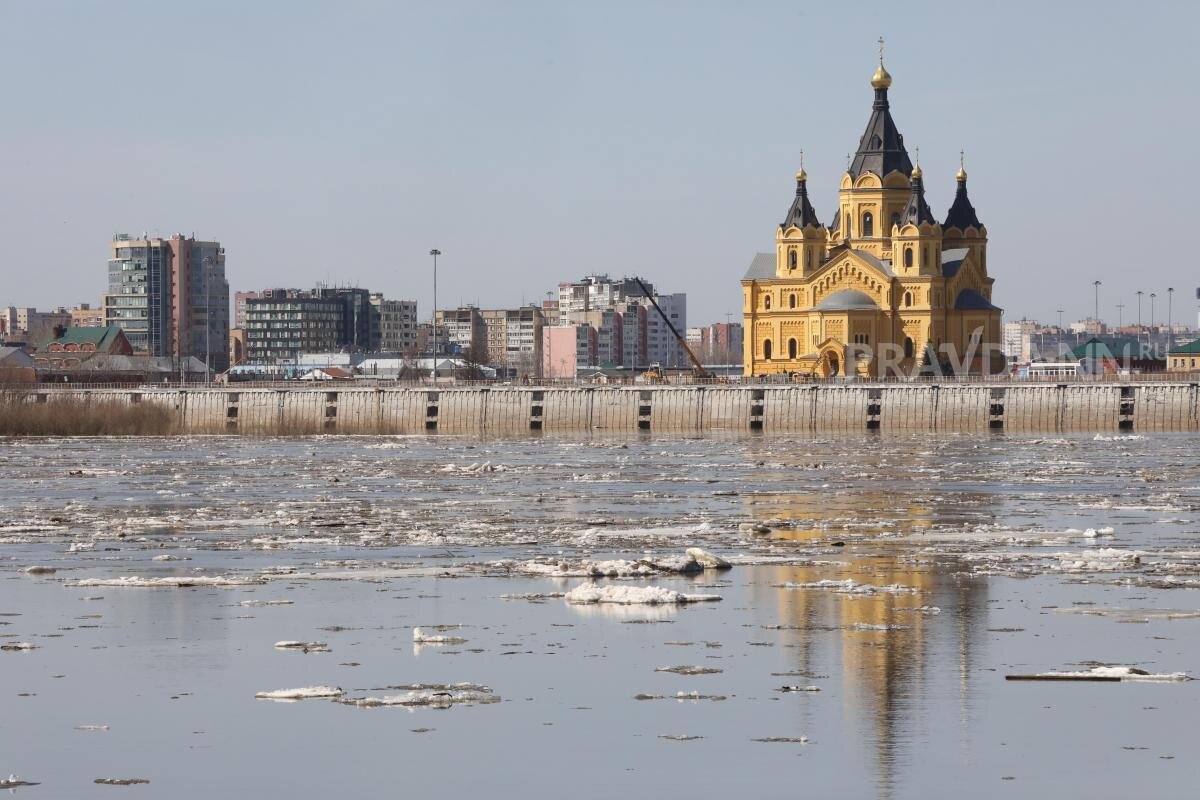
x=1150 y=334
x=1060 y=313
x=1139 y=294
x=1170 y=332
x=1096 y=286
x=1120 y=316
x=433 y=317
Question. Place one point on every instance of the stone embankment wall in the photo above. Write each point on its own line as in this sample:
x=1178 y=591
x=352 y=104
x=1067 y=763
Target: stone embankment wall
x=1037 y=408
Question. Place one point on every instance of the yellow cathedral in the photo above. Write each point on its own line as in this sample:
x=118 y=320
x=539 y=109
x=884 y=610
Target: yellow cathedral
x=882 y=284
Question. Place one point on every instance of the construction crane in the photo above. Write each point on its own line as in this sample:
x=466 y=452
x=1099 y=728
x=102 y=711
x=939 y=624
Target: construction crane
x=698 y=369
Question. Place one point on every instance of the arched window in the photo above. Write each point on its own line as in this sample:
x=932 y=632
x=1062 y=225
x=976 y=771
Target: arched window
x=791 y=301
x=868 y=224
x=908 y=256
x=907 y=299
x=908 y=347
x=767 y=348
x=792 y=258
x=896 y=218
x=767 y=302
x=849 y=226
x=792 y=348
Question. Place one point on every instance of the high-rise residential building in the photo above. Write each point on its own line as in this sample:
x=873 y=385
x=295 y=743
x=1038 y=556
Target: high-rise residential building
x=84 y=316
x=239 y=307
x=397 y=321
x=170 y=296
x=661 y=345
x=513 y=339
x=283 y=323
x=495 y=324
x=463 y=329
x=523 y=341
x=31 y=326
x=550 y=312
x=600 y=293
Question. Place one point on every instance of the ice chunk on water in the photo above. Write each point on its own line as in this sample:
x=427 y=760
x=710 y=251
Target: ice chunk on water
x=1121 y=673
x=687 y=669
x=18 y=646
x=307 y=647
x=587 y=593
x=169 y=582
x=302 y=693
x=433 y=696
x=707 y=559
x=1104 y=559
x=420 y=637
x=850 y=586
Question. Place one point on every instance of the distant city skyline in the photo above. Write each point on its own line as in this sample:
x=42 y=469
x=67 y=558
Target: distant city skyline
x=537 y=143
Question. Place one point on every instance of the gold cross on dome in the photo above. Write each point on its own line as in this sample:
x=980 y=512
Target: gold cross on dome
x=881 y=51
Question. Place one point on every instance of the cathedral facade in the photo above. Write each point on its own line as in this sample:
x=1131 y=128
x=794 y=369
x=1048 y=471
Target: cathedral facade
x=885 y=288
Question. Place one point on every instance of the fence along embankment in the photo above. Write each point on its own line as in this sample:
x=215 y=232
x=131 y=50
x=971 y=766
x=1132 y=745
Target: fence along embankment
x=692 y=410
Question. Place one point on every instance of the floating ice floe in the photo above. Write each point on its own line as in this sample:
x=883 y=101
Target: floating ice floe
x=307 y=647
x=1120 y=673
x=420 y=637
x=474 y=468
x=1132 y=614
x=782 y=740
x=587 y=593
x=91 y=728
x=302 y=693
x=429 y=695
x=681 y=696
x=12 y=782
x=121 y=781
x=260 y=603
x=850 y=586
x=679 y=737
x=1120 y=437
x=687 y=669
x=790 y=689
x=40 y=570
x=18 y=646
x=1105 y=559
x=169 y=582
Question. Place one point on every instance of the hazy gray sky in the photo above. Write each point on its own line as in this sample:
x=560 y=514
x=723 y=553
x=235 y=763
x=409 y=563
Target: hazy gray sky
x=536 y=142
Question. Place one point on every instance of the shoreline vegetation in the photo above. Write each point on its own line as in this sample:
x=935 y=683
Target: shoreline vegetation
x=21 y=415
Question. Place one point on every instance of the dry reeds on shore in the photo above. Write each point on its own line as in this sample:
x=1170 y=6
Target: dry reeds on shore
x=21 y=414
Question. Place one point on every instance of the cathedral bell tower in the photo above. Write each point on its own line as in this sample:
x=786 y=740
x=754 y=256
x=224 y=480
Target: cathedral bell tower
x=801 y=239
x=875 y=186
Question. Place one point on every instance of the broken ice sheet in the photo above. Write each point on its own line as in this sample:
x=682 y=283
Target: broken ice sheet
x=440 y=696
x=688 y=669
x=302 y=693
x=307 y=647
x=588 y=593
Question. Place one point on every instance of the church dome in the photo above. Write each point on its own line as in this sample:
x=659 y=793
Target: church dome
x=881 y=79
x=847 y=300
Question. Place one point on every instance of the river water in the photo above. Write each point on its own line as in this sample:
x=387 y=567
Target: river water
x=882 y=588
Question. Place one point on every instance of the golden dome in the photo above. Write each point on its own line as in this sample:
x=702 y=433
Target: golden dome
x=916 y=173
x=802 y=175
x=961 y=175
x=881 y=79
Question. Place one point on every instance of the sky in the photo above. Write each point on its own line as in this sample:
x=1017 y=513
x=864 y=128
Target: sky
x=538 y=142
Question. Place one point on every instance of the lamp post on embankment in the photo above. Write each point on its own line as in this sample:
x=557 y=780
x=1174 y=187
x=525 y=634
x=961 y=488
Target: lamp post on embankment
x=433 y=317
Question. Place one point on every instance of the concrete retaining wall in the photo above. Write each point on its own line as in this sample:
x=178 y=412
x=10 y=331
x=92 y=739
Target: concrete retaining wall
x=1035 y=408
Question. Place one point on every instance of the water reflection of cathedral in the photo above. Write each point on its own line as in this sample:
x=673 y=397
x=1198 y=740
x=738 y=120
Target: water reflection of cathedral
x=884 y=673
